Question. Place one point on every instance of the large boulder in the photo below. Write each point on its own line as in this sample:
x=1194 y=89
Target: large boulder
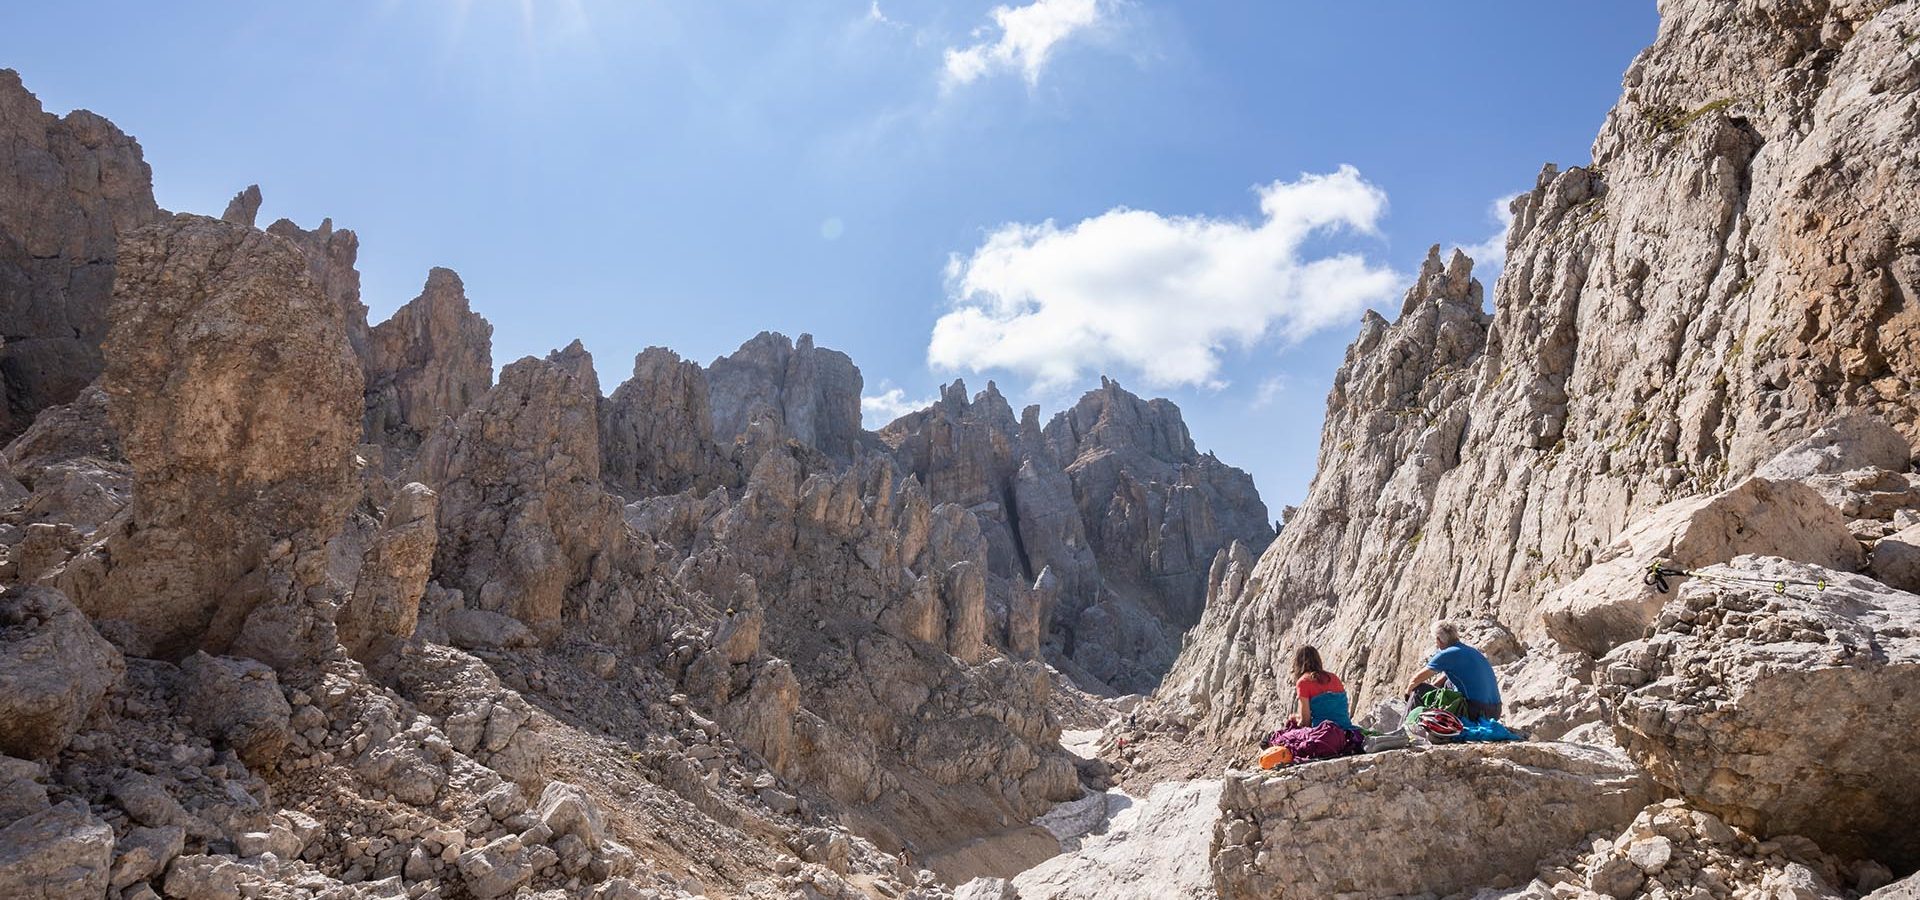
x=238 y=703
x=235 y=392
x=62 y=853
x=1611 y=603
x=21 y=794
x=1858 y=441
x=71 y=461
x=1784 y=712
x=54 y=668
x=393 y=573
x=1896 y=559
x=1394 y=823
x=78 y=429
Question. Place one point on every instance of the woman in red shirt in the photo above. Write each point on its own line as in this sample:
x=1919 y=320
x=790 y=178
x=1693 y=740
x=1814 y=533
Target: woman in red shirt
x=1322 y=697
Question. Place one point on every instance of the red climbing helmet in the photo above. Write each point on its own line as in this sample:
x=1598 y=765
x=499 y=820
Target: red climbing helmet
x=1440 y=723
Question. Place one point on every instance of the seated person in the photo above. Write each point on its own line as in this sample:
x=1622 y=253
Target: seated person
x=1466 y=669
x=1322 y=697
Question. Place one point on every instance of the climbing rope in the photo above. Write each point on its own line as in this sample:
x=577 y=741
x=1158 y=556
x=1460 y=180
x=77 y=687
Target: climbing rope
x=1658 y=574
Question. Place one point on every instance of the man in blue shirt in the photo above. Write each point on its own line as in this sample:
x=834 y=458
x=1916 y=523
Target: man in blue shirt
x=1466 y=669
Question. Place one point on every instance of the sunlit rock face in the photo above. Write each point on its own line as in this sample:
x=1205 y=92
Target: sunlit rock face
x=74 y=185
x=1668 y=319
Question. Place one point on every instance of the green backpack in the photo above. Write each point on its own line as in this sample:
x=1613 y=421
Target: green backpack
x=1445 y=699
x=1448 y=699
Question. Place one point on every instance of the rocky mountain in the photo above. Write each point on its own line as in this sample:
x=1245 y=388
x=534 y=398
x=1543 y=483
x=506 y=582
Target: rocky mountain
x=1670 y=317
x=1109 y=512
x=298 y=605
x=293 y=605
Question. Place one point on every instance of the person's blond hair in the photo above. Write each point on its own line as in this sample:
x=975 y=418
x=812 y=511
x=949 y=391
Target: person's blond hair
x=1445 y=633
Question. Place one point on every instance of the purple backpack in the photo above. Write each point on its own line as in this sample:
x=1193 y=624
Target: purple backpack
x=1323 y=741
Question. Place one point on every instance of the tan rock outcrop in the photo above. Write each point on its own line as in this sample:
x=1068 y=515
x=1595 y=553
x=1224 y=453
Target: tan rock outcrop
x=656 y=431
x=393 y=574
x=1611 y=602
x=1391 y=824
x=54 y=669
x=811 y=393
x=524 y=524
x=330 y=257
x=1752 y=703
x=74 y=186
x=74 y=474
x=244 y=207
x=431 y=361
x=231 y=383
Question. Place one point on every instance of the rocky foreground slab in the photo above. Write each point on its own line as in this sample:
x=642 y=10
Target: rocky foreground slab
x=1419 y=821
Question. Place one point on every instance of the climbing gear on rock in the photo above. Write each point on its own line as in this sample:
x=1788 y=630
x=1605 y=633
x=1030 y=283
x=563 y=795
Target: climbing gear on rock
x=1657 y=575
x=1274 y=757
x=1440 y=724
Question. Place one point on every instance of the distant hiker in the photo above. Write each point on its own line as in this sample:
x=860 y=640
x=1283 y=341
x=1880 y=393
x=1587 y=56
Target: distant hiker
x=1322 y=697
x=1465 y=668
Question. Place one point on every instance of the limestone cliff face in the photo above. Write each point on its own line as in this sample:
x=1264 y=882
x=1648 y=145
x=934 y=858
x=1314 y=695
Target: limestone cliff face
x=330 y=254
x=1734 y=268
x=1156 y=511
x=430 y=361
x=69 y=188
x=525 y=527
x=656 y=431
x=1109 y=512
x=812 y=393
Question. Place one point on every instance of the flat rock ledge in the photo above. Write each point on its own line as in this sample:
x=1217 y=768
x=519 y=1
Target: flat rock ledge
x=1390 y=824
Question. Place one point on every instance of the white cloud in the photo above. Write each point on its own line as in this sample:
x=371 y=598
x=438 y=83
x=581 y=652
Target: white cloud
x=877 y=16
x=877 y=411
x=1162 y=296
x=1026 y=37
x=1490 y=255
x=1269 y=391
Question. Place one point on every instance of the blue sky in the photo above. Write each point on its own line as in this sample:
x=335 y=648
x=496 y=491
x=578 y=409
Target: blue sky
x=1197 y=198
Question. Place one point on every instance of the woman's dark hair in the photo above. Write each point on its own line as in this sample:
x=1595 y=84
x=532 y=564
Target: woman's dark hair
x=1306 y=661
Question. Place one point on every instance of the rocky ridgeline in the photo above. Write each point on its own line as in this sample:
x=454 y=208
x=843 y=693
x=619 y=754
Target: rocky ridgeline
x=296 y=605
x=1108 y=514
